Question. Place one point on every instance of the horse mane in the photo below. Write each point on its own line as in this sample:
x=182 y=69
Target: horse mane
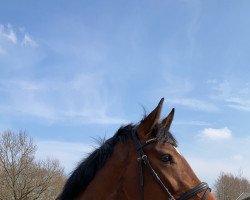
x=86 y=170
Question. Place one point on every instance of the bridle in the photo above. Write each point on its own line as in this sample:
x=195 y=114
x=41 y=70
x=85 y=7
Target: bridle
x=143 y=159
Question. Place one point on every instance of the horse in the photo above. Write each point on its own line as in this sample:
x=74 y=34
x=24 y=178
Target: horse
x=140 y=162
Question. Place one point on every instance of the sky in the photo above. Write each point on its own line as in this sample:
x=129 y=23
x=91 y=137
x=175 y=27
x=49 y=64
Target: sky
x=71 y=71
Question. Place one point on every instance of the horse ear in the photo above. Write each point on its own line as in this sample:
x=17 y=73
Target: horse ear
x=168 y=120
x=147 y=124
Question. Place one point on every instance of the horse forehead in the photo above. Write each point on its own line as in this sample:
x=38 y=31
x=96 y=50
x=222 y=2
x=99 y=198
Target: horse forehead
x=161 y=145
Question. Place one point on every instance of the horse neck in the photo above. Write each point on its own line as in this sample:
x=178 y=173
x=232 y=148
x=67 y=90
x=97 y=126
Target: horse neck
x=107 y=183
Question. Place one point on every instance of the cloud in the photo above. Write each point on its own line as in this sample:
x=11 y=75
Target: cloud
x=216 y=134
x=28 y=41
x=179 y=91
x=83 y=99
x=235 y=95
x=8 y=33
x=238 y=103
x=11 y=37
x=195 y=104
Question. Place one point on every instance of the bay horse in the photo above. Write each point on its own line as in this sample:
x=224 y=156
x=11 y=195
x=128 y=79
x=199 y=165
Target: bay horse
x=140 y=162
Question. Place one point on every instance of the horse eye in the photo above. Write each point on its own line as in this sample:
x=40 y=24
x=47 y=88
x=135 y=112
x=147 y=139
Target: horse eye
x=166 y=159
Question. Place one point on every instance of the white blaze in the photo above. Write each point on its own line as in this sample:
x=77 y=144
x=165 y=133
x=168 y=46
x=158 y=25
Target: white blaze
x=177 y=150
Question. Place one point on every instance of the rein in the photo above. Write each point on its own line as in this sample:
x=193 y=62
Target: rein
x=143 y=160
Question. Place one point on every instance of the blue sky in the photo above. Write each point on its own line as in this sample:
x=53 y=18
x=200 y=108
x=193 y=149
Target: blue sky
x=70 y=71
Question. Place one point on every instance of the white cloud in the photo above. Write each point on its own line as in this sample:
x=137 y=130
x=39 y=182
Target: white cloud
x=177 y=91
x=8 y=33
x=195 y=104
x=235 y=95
x=239 y=103
x=216 y=134
x=223 y=89
x=28 y=41
x=83 y=99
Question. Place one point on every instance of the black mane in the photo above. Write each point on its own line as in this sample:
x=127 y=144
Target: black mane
x=86 y=170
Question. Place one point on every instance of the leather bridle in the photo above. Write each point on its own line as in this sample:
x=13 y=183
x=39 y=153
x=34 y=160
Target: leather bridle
x=143 y=159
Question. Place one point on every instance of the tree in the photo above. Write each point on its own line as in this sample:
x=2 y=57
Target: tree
x=229 y=186
x=21 y=176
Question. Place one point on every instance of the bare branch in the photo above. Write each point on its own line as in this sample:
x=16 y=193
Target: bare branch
x=229 y=186
x=23 y=178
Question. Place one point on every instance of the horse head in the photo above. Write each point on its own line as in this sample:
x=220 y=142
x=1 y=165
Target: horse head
x=139 y=162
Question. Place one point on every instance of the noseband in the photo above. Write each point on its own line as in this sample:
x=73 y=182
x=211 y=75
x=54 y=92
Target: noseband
x=143 y=159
